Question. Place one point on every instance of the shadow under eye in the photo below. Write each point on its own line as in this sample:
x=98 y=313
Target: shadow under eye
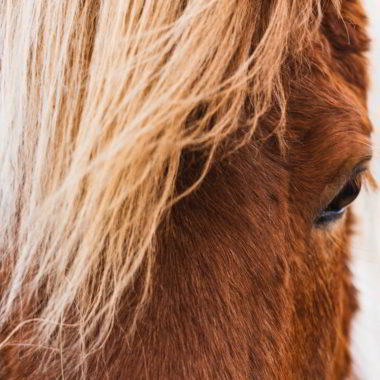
x=329 y=216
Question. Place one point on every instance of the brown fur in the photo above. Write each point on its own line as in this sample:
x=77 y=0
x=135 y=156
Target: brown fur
x=245 y=287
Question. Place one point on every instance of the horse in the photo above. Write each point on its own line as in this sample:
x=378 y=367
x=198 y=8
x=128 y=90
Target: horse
x=176 y=182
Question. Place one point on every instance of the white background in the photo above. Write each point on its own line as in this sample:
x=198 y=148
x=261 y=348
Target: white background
x=366 y=264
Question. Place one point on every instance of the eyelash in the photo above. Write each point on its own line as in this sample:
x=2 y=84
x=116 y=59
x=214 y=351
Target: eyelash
x=336 y=208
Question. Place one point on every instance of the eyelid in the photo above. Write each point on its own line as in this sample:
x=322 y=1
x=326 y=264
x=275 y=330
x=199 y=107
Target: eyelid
x=362 y=165
x=360 y=171
x=358 y=174
x=336 y=206
x=360 y=168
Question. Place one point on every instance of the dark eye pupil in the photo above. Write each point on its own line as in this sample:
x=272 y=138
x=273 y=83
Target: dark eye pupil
x=338 y=205
x=346 y=196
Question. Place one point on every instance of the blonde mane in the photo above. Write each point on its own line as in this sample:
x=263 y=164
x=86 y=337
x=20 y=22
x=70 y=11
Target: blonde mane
x=97 y=104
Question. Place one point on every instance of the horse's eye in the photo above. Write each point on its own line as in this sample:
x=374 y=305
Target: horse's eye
x=338 y=205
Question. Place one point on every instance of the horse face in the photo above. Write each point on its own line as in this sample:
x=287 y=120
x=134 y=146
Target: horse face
x=251 y=274
x=253 y=279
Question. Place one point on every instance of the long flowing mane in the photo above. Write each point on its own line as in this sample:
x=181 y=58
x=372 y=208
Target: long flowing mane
x=99 y=102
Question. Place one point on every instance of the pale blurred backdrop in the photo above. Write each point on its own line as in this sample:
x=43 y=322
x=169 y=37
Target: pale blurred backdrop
x=366 y=265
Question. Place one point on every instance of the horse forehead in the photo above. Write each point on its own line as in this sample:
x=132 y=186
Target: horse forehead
x=328 y=118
